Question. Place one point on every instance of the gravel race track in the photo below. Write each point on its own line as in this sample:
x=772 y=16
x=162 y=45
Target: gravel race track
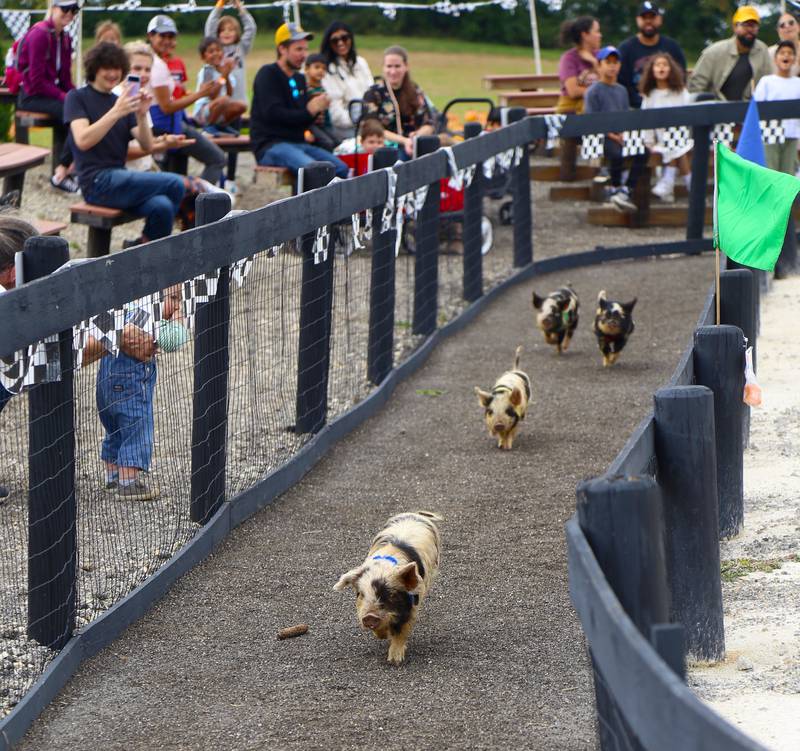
x=498 y=659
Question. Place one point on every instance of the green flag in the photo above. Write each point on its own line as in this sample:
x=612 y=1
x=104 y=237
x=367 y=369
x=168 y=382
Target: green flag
x=752 y=206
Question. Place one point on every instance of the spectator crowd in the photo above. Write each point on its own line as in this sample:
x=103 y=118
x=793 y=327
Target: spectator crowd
x=137 y=110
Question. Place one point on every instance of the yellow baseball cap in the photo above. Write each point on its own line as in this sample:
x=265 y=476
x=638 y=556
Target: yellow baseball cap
x=290 y=32
x=746 y=13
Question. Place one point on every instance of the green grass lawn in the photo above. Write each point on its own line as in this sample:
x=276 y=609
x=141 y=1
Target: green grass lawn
x=445 y=68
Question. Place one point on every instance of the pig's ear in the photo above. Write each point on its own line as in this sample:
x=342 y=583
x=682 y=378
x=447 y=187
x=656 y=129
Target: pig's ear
x=628 y=306
x=601 y=298
x=350 y=578
x=516 y=397
x=484 y=397
x=408 y=576
x=537 y=301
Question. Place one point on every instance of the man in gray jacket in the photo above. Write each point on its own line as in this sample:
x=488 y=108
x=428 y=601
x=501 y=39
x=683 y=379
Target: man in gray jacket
x=731 y=68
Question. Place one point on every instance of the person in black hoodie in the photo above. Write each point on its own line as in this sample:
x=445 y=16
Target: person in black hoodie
x=281 y=111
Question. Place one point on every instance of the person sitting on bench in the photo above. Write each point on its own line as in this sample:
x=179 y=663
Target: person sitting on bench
x=281 y=111
x=101 y=125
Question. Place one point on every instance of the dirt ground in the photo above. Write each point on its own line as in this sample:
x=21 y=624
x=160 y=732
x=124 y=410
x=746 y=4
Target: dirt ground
x=498 y=658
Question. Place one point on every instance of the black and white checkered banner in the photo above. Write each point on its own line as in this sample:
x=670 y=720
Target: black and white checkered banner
x=17 y=22
x=772 y=131
x=389 y=207
x=676 y=138
x=459 y=178
x=723 y=132
x=321 y=243
x=127 y=5
x=554 y=124
x=502 y=162
x=592 y=146
x=633 y=143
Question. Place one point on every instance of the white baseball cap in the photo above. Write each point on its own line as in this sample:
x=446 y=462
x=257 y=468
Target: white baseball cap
x=161 y=25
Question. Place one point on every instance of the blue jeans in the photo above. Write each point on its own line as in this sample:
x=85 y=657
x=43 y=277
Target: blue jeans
x=297 y=155
x=153 y=195
x=124 y=395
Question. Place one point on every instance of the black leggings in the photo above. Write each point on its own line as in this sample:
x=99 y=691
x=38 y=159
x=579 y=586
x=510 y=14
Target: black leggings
x=55 y=109
x=613 y=152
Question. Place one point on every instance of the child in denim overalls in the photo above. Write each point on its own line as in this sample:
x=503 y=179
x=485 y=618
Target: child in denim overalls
x=124 y=393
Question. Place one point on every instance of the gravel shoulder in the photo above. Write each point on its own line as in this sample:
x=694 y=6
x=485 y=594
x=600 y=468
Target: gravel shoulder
x=757 y=687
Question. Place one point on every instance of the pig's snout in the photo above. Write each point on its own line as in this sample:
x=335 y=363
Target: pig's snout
x=499 y=427
x=371 y=621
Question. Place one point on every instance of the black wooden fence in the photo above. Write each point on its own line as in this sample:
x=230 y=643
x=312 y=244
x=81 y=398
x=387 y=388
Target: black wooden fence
x=60 y=301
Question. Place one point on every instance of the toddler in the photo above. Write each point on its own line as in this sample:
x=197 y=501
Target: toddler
x=321 y=132
x=124 y=396
x=215 y=113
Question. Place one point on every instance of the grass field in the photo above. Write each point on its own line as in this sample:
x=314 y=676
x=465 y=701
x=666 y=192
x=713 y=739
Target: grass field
x=445 y=68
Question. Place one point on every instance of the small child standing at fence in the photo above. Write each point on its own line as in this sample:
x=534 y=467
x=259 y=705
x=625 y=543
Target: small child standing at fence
x=216 y=112
x=782 y=85
x=663 y=85
x=606 y=95
x=124 y=393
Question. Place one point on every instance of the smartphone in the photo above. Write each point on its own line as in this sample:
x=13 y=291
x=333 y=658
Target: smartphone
x=134 y=82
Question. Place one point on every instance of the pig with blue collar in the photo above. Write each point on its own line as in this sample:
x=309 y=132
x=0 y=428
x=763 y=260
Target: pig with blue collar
x=395 y=577
x=504 y=407
x=613 y=324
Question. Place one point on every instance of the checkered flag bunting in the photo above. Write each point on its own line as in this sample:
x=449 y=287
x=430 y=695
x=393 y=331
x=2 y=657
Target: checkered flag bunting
x=321 y=243
x=38 y=363
x=723 y=132
x=633 y=143
x=127 y=5
x=554 y=124
x=17 y=22
x=676 y=138
x=772 y=131
x=592 y=146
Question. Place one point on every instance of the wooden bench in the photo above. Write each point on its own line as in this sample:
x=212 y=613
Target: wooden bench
x=15 y=160
x=47 y=227
x=232 y=146
x=525 y=81
x=24 y=119
x=100 y=220
x=528 y=98
x=282 y=175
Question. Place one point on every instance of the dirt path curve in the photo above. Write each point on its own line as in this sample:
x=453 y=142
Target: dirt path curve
x=498 y=659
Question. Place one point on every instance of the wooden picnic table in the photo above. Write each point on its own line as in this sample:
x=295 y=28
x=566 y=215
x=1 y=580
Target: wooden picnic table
x=528 y=98
x=15 y=160
x=6 y=97
x=524 y=81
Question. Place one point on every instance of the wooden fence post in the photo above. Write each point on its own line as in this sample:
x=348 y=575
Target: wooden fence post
x=210 y=398
x=697 y=191
x=737 y=308
x=623 y=522
x=316 y=301
x=380 y=349
x=719 y=364
x=426 y=262
x=521 y=192
x=687 y=474
x=473 y=217
x=52 y=512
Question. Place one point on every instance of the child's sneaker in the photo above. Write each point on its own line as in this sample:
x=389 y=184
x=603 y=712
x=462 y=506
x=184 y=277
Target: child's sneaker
x=622 y=201
x=69 y=184
x=111 y=485
x=665 y=190
x=136 y=491
x=230 y=186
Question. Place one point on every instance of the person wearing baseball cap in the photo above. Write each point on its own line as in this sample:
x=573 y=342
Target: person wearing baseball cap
x=730 y=68
x=44 y=57
x=281 y=111
x=637 y=50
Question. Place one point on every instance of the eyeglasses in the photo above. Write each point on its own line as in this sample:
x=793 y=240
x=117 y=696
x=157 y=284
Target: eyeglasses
x=293 y=87
x=787 y=24
x=341 y=39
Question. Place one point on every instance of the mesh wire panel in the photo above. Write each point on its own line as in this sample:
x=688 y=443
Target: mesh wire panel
x=347 y=379
x=262 y=382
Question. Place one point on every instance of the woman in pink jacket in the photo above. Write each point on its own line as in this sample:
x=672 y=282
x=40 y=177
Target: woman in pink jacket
x=45 y=61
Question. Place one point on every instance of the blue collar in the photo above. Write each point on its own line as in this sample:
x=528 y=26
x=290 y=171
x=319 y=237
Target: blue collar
x=390 y=558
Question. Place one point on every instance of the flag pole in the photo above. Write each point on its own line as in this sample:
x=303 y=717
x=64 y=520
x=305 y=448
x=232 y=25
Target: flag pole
x=715 y=230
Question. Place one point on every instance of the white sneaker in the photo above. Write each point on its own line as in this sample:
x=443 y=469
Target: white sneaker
x=621 y=200
x=230 y=186
x=665 y=190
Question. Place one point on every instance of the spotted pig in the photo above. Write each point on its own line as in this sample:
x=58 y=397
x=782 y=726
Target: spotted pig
x=557 y=316
x=613 y=324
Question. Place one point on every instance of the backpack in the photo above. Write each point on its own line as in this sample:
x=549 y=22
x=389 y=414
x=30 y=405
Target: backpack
x=12 y=78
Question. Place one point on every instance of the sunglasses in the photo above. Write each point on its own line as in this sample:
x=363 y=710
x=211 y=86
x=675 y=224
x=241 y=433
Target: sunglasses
x=293 y=87
x=341 y=39
x=70 y=8
x=786 y=24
